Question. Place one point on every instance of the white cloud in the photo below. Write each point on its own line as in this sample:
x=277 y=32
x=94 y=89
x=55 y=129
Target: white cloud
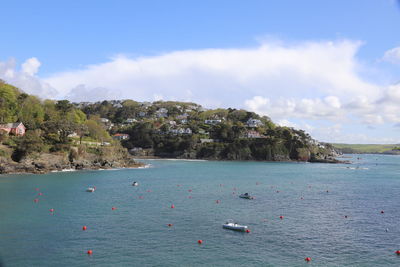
x=31 y=66
x=392 y=55
x=26 y=79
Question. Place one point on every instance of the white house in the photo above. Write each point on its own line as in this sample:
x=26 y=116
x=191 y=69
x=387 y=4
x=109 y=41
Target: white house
x=104 y=120
x=212 y=122
x=253 y=134
x=254 y=123
x=162 y=113
x=131 y=120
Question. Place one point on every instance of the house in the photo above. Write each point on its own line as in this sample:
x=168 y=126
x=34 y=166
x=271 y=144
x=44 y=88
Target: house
x=104 y=120
x=206 y=140
x=172 y=123
x=184 y=121
x=17 y=128
x=120 y=136
x=162 y=113
x=130 y=120
x=187 y=131
x=254 y=123
x=142 y=114
x=212 y=122
x=253 y=134
x=182 y=117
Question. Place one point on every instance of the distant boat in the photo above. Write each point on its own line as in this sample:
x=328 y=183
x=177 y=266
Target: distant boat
x=246 y=196
x=230 y=225
x=90 y=189
x=135 y=184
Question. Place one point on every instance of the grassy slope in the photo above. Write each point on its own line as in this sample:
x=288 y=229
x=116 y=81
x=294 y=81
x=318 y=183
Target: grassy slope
x=366 y=148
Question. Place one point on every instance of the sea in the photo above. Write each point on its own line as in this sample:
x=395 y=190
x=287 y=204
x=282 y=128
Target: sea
x=335 y=214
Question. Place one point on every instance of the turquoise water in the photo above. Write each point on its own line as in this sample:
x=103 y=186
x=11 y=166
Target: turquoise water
x=136 y=233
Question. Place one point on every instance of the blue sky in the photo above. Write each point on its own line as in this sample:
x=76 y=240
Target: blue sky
x=193 y=50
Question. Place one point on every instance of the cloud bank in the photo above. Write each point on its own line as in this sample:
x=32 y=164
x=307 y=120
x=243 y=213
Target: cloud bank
x=313 y=81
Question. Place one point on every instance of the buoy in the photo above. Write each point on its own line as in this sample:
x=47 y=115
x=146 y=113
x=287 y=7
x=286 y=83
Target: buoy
x=345 y=216
x=190 y=190
x=200 y=241
x=170 y=225
x=37 y=189
x=141 y=197
x=113 y=208
x=84 y=228
x=172 y=206
x=307 y=259
x=277 y=191
x=301 y=198
x=281 y=217
x=382 y=212
x=89 y=252
x=247 y=231
x=40 y=194
x=327 y=191
x=398 y=252
x=51 y=210
x=36 y=200
x=217 y=201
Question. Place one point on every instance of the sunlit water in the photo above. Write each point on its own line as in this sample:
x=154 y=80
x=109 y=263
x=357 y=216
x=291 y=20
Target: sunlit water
x=137 y=232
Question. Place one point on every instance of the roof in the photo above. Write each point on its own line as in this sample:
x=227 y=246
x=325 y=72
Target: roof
x=119 y=134
x=11 y=125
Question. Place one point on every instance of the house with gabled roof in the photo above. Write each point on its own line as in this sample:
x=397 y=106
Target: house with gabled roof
x=17 y=128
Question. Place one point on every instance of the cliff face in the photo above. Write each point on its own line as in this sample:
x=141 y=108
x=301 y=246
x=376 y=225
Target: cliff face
x=76 y=159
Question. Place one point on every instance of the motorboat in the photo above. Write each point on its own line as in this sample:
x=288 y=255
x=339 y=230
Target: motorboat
x=234 y=226
x=135 y=184
x=90 y=189
x=246 y=196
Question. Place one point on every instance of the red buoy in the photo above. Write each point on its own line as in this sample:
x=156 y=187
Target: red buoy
x=217 y=201
x=281 y=217
x=89 y=252
x=36 y=200
x=51 y=210
x=40 y=194
x=308 y=259
x=84 y=228
x=382 y=212
x=190 y=190
x=398 y=252
x=37 y=189
x=170 y=225
x=247 y=231
x=113 y=208
x=200 y=241
x=172 y=206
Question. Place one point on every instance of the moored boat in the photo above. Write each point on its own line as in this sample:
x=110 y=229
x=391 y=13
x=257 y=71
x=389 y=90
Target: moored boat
x=90 y=189
x=246 y=196
x=135 y=184
x=230 y=225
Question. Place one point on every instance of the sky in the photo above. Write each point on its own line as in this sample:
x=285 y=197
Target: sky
x=329 y=67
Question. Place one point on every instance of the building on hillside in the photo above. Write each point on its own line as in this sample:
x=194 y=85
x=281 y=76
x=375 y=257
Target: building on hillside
x=17 y=128
x=253 y=134
x=254 y=123
x=212 y=122
x=206 y=140
x=130 y=120
x=162 y=113
x=120 y=136
x=104 y=120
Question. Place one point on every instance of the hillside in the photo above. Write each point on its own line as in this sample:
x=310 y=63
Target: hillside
x=368 y=149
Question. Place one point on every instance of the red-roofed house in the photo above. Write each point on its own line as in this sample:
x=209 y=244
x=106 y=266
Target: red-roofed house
x=16 y=128
x=120 y=136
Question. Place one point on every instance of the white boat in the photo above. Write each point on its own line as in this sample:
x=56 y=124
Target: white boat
x=246 y=196
x=90 y=189
x=234 y=226
x=135 y=184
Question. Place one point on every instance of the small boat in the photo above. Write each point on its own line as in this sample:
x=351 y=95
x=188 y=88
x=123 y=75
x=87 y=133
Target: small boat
x=246 y=196
x=135 y=184
x=90 y=189
x=234 y=226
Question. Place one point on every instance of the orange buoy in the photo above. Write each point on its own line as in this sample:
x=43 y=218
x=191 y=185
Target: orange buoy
x=89 y=252
x=382 y=212
x=200 y=241
x=307 y=259
x=36 y=200
x=84 y=228
x=170 y=225
x=281 y=217
x=398 y=252
x=247 y=231
x=172 y=206
x=113 y=208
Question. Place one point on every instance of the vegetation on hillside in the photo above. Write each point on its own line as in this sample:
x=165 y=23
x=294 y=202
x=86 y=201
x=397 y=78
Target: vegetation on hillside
x=368 y=148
